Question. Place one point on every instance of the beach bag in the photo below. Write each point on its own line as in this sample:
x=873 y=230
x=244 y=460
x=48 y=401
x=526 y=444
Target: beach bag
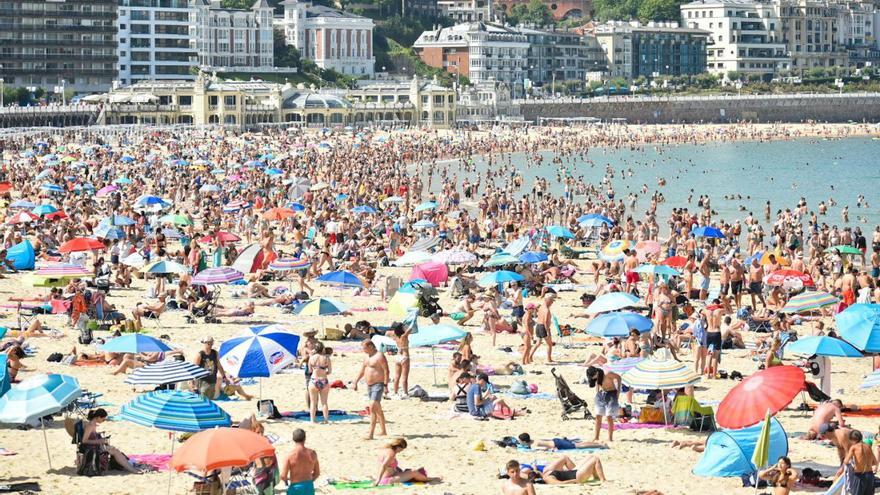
x=266 y=408
x=652 y=415
x=417 y=392
x=92 y=461
x=85 y=334
x=519 y=387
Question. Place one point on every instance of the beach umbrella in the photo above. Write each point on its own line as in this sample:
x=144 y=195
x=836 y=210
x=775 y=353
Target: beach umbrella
x=367 y=209
x=454 y=257
x=342 y=277
x=164 y=373
x=296 y=206
x=56 y=215
x=223 y=236
x=171 y=234
x=80 y=244
x=122 y=181
x=320 y=186
x=127 y=159
x=501 y=259
x=209 y=189
x=402 y=303
x=150 y=200
x=44 y=209
x=37 y=397
x=822 y=346
x=769 y=389
x=45 y=173
x=134 y=260
x=418 y=286
x=221 y=448
x=844 y=249
x=164 y=266
x=259 y=351
x=660 y=372
x=594 y=220
x=612 y=301
x=289 y=264
x=622 y=365
x=274 y=172
x=22 y=217
x=321 y=306
x=434 y=335
x=62 y=270
x=425 y=243
x=618 y=324
x=109 y=232
x=499 y=277
x=424 y=224
x=872 y=380
x=706 y=231
x=809 y=301
x=613 y=251
x=560 y=231
x=786 y=277
x=412 y=258
x=22 y=204
x=644 y=249
x=761 y=455
x=658 y=270
x=859 y=325
x=235 y=206
x=106 y=190
x=765 y=259
x=135 y=343
x=175 y=410
x=533 y=257
x=216 y=276
x=427 y=205
x=117 y=220
x=393 y=200
x=518 y=245
x=52 y=188
x=275 y=214
x=176 y=219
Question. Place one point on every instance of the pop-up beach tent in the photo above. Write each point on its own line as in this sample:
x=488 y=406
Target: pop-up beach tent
x=729 y=452
x=4 y=376
x=21 y=255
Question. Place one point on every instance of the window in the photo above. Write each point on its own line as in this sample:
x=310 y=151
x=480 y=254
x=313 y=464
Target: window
x=229 y=101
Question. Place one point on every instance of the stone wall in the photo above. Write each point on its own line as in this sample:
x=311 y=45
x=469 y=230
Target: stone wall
x=856 y=107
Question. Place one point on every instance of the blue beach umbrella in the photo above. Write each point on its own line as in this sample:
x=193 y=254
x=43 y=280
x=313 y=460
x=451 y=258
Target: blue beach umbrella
x=109 y=232
x=711 y=232
x=23 y=204
x=618 y=324
x=424 y=224
x=560 y=231
x=499 y=277
x=150 y=200
x=117 y=220
x=45 y=173
x=165 y=372
x=859 y=325
x=533 y=257
x=341 y=277
x=135 y=343
x=823 y=346
x=273 y=171
x=364 y=209
x=658 y=270
x=259 y=351
x=296 y=206
x=44 y=209
x=321 y=307
x=432 y=335
x=612 y=301
x=175 y=410
x=127 y=159
x=122 y=181
x=427 y=205
x=52 y=188
x=501 y=259
x=594 y=220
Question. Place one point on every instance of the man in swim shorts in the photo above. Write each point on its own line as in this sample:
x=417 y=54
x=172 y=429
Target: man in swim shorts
x=557 y=443
x=375 y=372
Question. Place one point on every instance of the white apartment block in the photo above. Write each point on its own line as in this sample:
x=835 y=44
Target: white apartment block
x=231 y=39
x=744 y=35
x=331 y=38
x=154 y=40
x=466 y=10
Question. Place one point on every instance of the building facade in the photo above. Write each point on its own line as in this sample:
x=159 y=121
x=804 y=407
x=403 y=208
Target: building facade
x=467 y=10
x=809 y=30
x=560 y=9
x=744 y=36
x=556 y=55
x=477 y=50
x=154 y=40
x=230 y=39
x=331 y=38
x=656 y=49
x=209 y=100
x=488 y=101
x=49 y=44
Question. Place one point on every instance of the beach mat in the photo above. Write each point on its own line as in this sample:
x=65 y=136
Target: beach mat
x=357 y=485
x=866 y=411
x=335 y=415
x=636 y=426
x=159 y=462
x=29 y=486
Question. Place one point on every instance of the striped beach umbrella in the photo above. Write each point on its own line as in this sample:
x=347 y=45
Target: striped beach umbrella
x=164 y=373
x=22 y=217
x=175 y=410
x=150 y=200
x=259 y=351
x=220 y=275
x=662 y=374
x=613 y=251
x=52 y=188
x=809 y=301
x=289 y=264
x=235 y=206
x=62 y=270
x=321 y=307
x=454 y=257
x=164 y=266
x=501 y=259
x=622 y=365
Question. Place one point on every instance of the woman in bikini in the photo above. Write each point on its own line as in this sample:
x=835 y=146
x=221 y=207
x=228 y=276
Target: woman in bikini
x=564 y=471
x=390 y=472
x=319 y=385
x=400 y=333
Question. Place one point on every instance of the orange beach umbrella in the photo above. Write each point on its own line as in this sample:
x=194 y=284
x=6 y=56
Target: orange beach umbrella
x=219 y=448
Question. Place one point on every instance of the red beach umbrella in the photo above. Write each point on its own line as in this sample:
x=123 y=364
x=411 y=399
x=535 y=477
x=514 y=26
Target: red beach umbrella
x=81 y=244
x=675 y=261
x=224 y=237
x=278 y=214
x=22 y=217
x=56 y=215
x=770 y=389
x=781 y=277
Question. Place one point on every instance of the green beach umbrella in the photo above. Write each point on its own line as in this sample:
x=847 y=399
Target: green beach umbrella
x=760 y=458
x=844 y=249
x=176 y=220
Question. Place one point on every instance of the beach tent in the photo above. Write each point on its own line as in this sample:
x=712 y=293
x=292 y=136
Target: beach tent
x=249 y=259
x=21 y=255
x=729 y=452
x=4 y=376
x=434 y=273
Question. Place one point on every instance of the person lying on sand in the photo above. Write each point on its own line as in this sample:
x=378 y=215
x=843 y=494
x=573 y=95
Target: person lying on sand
x=695 y=445
x=565 y=471
x=246 y=310
x=558 y=443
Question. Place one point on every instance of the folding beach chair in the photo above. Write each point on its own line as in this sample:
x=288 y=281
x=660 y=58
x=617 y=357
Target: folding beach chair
x=688 y=412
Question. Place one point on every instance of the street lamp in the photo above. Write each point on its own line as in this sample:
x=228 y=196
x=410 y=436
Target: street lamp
x=63 y=93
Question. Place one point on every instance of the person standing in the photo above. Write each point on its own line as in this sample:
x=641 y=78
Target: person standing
x=301 y=468
x=607 y=387
x=543 y=326
x=208 y=359
x=319 y=384
x=528 y=332
x=374 y=371
x=400 y=333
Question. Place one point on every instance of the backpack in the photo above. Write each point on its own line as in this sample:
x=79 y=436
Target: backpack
x=266 y=407
x=85 y=335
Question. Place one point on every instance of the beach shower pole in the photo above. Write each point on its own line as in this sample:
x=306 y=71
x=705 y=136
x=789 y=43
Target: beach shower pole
x=46 y=443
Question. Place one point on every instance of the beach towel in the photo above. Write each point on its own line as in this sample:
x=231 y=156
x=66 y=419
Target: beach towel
x=356 y=485
x=538 y=396
x=95 y=362
x=866 y=411
x=29 y=486
x=635 y=426
x=159 y=462
x=335 y=415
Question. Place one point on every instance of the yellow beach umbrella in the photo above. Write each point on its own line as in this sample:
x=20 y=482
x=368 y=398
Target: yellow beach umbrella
x=760 y=458
x=401 y=304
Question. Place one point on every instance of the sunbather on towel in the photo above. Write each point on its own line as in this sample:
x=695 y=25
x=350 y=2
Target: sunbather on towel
x=558 y=443
x=246 y=310
x=390 y=472
x=565 y=471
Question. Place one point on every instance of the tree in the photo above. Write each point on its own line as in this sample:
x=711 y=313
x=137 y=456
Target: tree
x=734 y=75
x=659 y=10
x=622 y=10
x=534 y=12
x=237 y=4
x=285 y=55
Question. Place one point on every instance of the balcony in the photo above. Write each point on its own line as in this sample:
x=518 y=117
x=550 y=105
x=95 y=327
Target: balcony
x=68 y=43
x=66 y=14
x=57 y=28
x=60 y=56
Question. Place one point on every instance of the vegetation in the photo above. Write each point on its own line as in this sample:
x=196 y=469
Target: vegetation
x=643 y=10
x=535 y=12
x=23 y=97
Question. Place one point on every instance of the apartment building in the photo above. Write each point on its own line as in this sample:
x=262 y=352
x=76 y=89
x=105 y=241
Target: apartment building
x=230 y=39
x=333 y=39
x=655 y=49
x=809 y=30
x=154 y=40
x=49 y=44
x=466 y=10
x=561 y=55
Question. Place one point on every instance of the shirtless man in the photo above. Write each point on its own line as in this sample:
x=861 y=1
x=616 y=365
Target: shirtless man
x=630 y=263
x=515 y=483
x=543 y=326
x=847 y=287
x=824 y=414
x=714 y=314
x=705 y=273
x=861 y=480
x=839 y=437
x=300 y=469
x=737 y=272
x=375 y=372
x=756 y=276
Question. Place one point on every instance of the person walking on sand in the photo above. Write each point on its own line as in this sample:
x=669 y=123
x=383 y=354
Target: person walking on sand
x=543 y=326
x=607 y=387
x=301 y=468
x=375 y=371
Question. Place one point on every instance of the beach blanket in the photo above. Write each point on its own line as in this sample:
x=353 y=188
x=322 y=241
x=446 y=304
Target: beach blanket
x=636 y=426
x=539 y=396
x=159 y=462
x=29 y=486
x=356 y=485
x=91 y=362
x=335 y=415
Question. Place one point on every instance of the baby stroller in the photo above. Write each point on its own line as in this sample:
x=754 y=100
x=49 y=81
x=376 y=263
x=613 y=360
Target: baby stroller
x=204 y=306
x=570 y=402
